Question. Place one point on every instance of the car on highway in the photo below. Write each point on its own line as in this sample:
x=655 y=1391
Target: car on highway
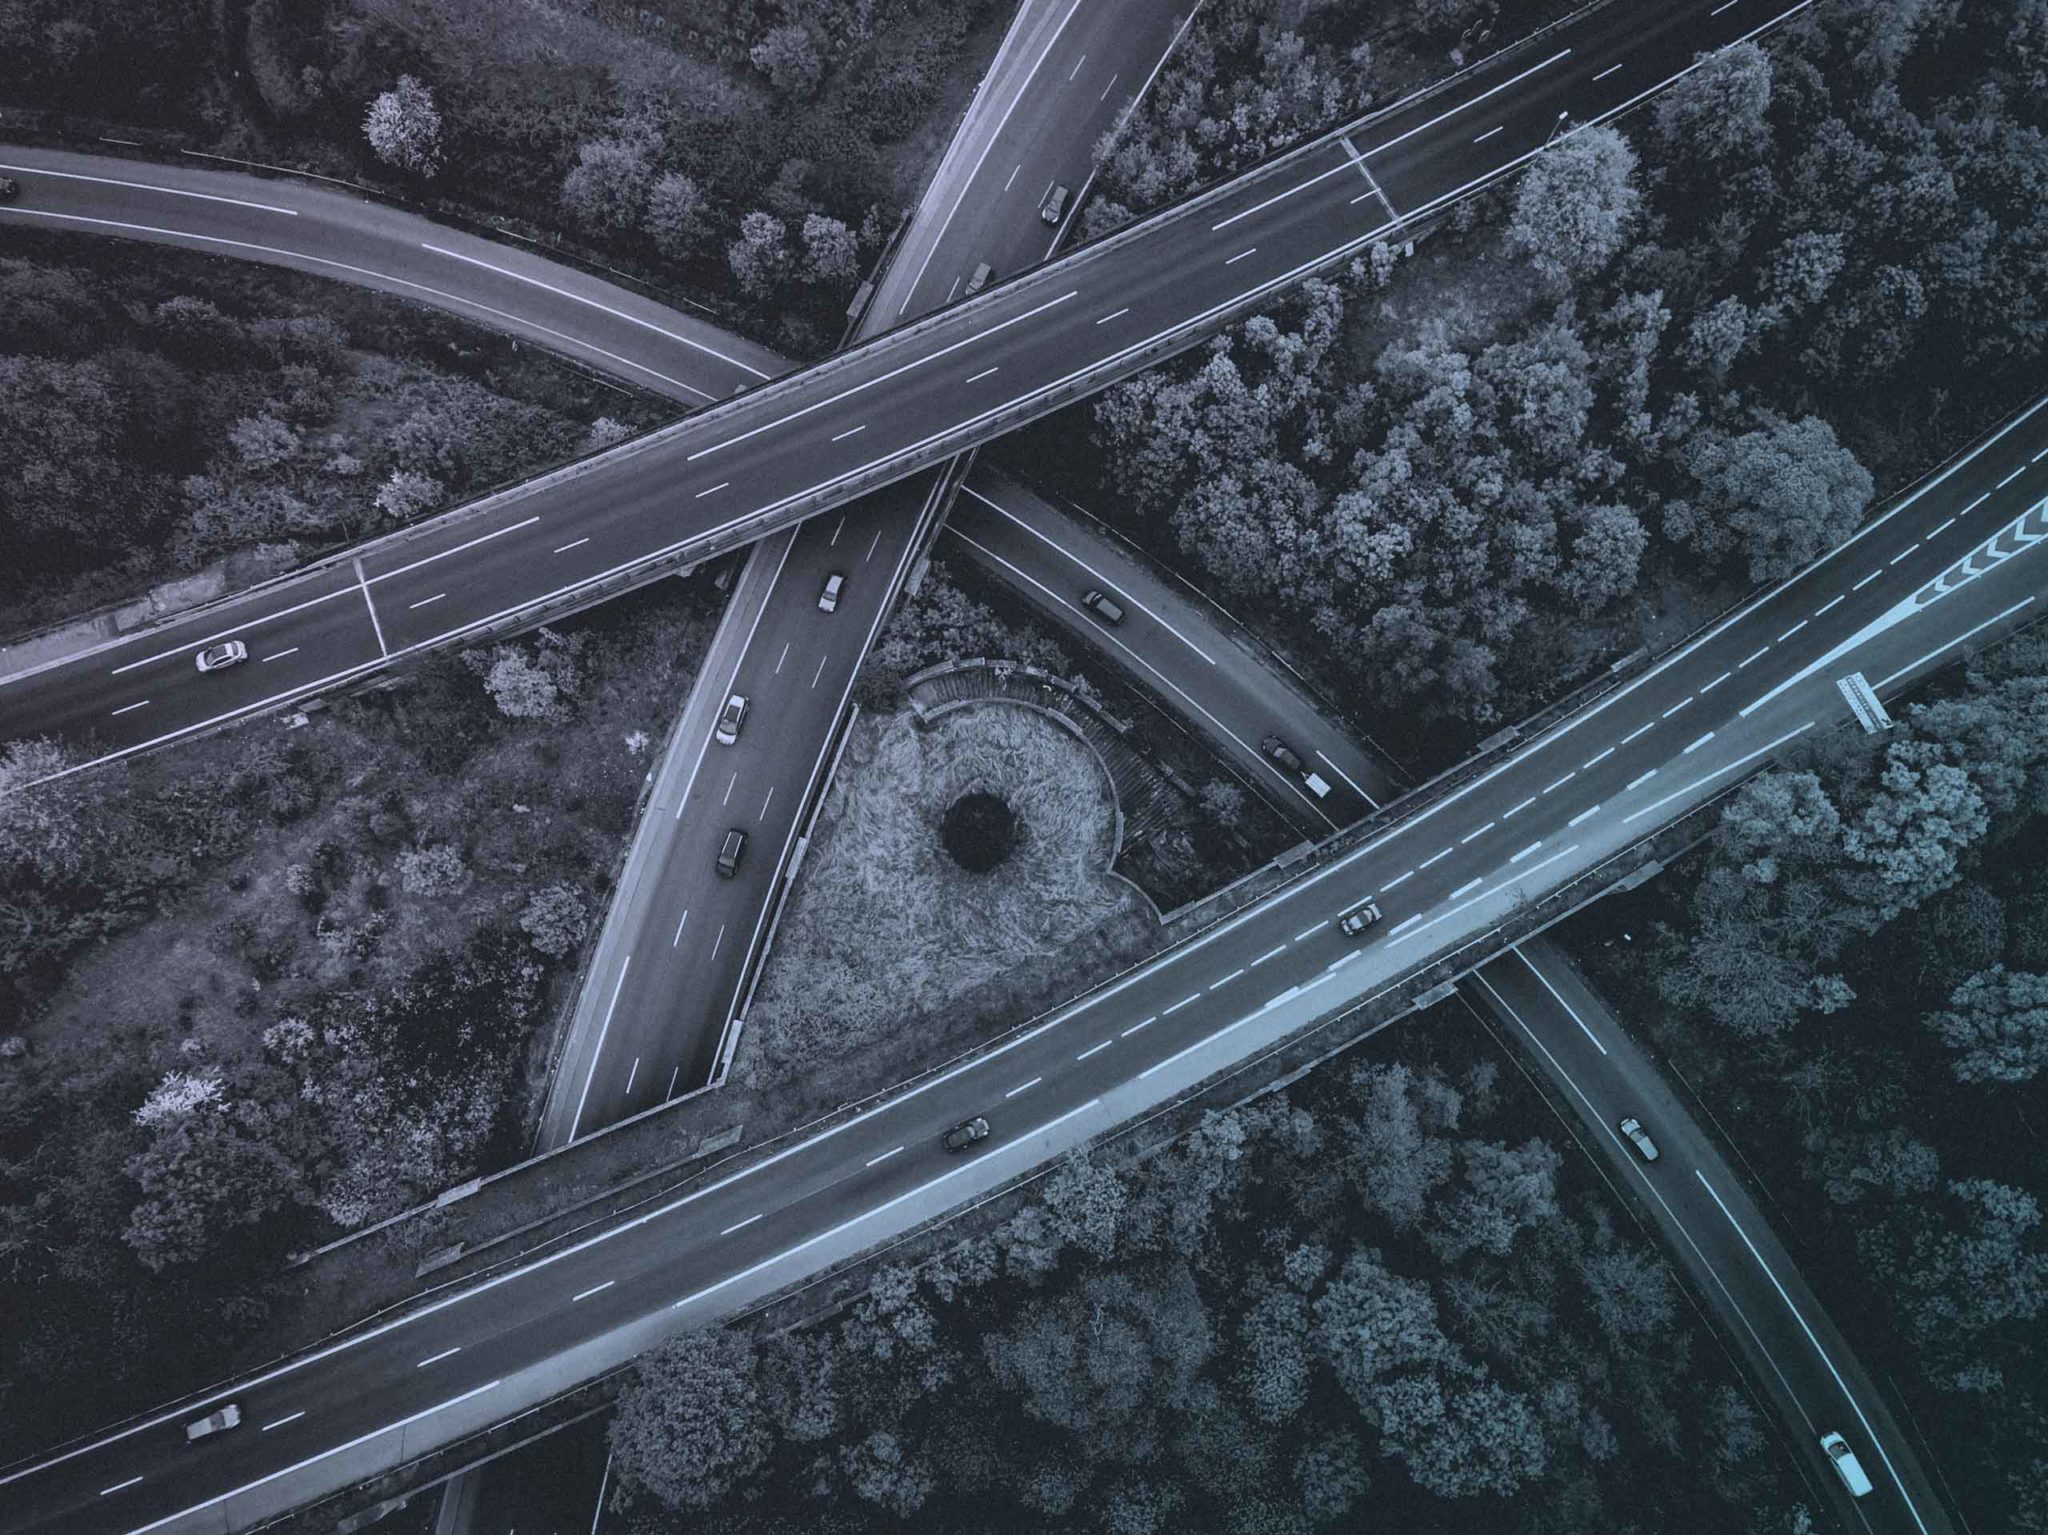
x=1102 y=606
x=220 y=1418
x=9 y=189
x=967 y=1133
x=730 y=719
x=980 y=279
x=1359 y=918
x=1632 y=1127
x=1846 y=1465
x=828 y=599
x=730 y=851
x=226 y=653
x=1055 y=206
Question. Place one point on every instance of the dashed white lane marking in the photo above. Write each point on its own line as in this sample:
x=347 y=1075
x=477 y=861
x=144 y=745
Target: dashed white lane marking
x=1226 y=980
x=1610 y=69
x=1434 y=858
x=1023 y=1087
x=1249 y=250
x=1145 y=1024
x=1273 y=953
x=1597 y=758
x=1480 y=832
x=1702 y=741
x=446 y=1353
x=1726 y=675
x=427 y=601
x=1641 y=778
x=984 y=373
x=877 y=1161
x=1116 y=316
x=1838 y=599
x=1681 y=704
x=1792 y=631
x=118 y=1486
x=714 y=490
x=1525 y=852
x=1398 y=879
x=290 y=1417
x=279 y=655
x=1754 y=656
x=851 y=432
x=1867 y=579
x=1401 y=927
x=577 y=544
x=1574 y=773
x=741 y=1226
x=1467 y=889
x=1093 y=1049
x=1489 y=133
x=596 y=1289
x=1188 y=1001
x=130 y=708
x=1305 y=932
x=1509 y=815
x=1584 y=815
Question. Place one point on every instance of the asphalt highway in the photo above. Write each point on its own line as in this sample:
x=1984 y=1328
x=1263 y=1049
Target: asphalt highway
x=1572 y=798
x=915 y=397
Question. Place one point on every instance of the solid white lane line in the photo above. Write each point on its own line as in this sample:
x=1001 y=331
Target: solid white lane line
x=1118 y=315
x=1093 y=1049
x=1682 y=703
x=1434 y=858
x=1509 y=815
x=1549 y=787
x=1489 y=133
x=985 y=373
x=292 y=1417
x=1610 y=69
x=1570 y=1011
x=596 y=1289
x=1702 y=741
x=1525 y=852
x=741 y=1226
x=1841 y=597
x=446 y=1353
x=118 y=1486
x=1127 y=1033
x=1754 y=656
x=1398 y=879
x=877 y=1161
x=131 y=708
x=1249 y=250
x=577 y=544
x=1273 y=953
x=1468 y=888
x=1709 y=687
x=714 y=490
x=1187 y=1001
x=427 y=601
x=1584 y=815
x=1640 y=779
x=1719 y=772
x=1305 y=932
x=1597 y=758
x=1480 y=832
x=855 y=432
x=279 y=655
x=1023 y=1087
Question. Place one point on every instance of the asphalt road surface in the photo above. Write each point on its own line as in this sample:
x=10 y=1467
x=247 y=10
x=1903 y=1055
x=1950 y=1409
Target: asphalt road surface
x=915 y=397
x=1947 y=566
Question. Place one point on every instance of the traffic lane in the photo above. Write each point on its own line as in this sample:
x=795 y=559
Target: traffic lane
x=1169 y=641
x=341 y=235
x=1721 y=1237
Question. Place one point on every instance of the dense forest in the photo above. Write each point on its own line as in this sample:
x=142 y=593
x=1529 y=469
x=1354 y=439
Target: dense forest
x=757 y=150
x=1675 y=359
x=159 y=410
x=1378 y=1300
x=1857 y=967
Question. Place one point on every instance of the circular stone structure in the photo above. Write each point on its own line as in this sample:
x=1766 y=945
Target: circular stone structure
x=980 y=831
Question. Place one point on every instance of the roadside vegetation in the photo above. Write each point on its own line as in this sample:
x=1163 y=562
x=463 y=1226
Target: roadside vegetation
x=1379 y=1300
x=1855 y=971
x=1678 y=358
x=275 y=984
x=757 y=151
x=160 y=411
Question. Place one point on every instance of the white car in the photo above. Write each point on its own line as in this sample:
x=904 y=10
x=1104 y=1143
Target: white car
x=226 y=653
